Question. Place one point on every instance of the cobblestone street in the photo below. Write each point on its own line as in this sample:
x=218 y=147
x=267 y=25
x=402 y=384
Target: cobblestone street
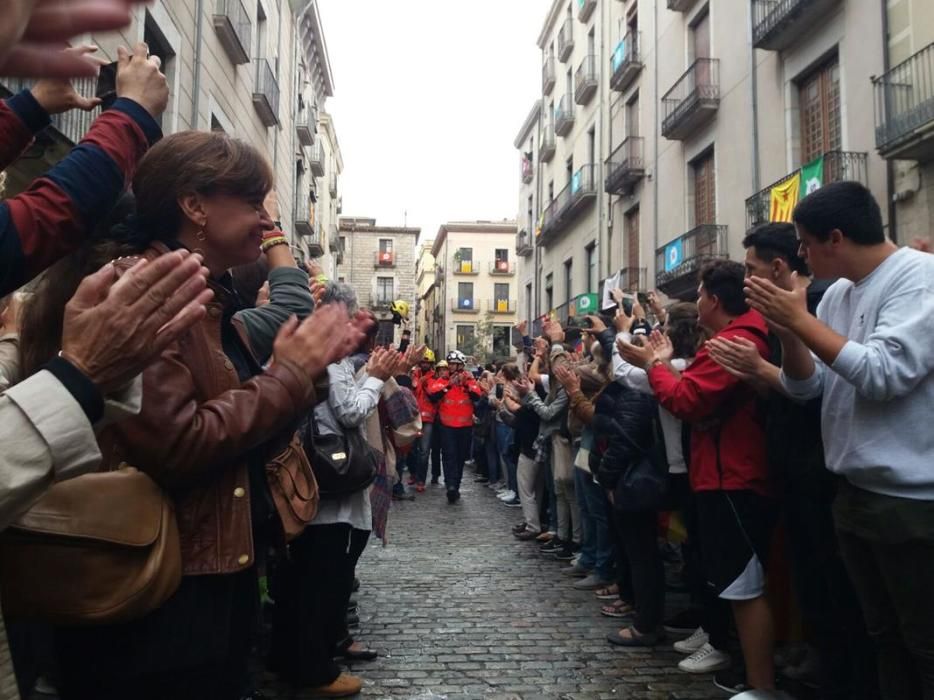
x=458 y=608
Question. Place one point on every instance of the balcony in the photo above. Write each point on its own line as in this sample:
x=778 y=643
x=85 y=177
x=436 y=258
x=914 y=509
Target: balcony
x=565 y=40
x=633 y=278
x=332 y=184
x=585 y=80
x=678 y=262
x=904 y=98
x=334 y=239
x=524 y=243
x=548 y=75
x=569 y=202
x=625 y=167
x=465 y=306
x=68 y=128
x=626 y=62
x=546 y=148
x=692 y=101
x=564 y=116
x=234 y=29
x=306 y=126
x=380 y=302
x=384 y=258
x=502 y=268
x=310 y=233
x=465 y=267
x=585 y=9
x=528 y=171
x=777 y=24
x=680 y=5
x=316 y=160
x=266 y=93
x=502 y=306
x=837 y=166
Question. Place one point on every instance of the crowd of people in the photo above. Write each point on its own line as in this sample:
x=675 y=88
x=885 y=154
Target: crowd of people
x=162 y=344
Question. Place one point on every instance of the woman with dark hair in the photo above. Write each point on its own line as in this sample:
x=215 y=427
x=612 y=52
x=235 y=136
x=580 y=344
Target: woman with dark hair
x=211 y=418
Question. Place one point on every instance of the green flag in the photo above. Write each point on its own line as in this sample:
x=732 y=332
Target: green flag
x=812 y=176
x=586 y=304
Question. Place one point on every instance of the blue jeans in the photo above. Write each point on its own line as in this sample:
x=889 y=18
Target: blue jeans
x=423 y=448
x=492 y=456
x=504 y=439
x=455 y=447
x=597 y=546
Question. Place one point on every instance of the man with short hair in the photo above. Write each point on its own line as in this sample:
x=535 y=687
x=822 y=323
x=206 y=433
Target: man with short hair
x=728 y=467
x=868 y=353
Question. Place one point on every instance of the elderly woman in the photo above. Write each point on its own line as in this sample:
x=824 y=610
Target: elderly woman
x=211 y=418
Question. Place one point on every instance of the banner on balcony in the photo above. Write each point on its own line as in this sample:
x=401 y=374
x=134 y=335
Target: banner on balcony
x=586 y=304
x=609 y=285
x=502 y=306
x=674 y=255
x=783 y=198
x=576 y=182
x=812 y=176
x=541 y=225
x=619 y=55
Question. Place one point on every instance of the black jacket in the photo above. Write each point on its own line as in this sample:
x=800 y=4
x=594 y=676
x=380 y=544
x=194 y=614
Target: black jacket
x=621 y=413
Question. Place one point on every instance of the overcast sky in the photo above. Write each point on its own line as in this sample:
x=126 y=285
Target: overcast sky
x=429 y=95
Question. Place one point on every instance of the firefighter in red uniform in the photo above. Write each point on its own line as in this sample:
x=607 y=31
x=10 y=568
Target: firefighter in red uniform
x=455 y=394
x=422 y=376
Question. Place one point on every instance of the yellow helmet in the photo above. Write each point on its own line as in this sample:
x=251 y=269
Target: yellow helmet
x=429 y=356
x=401 y=308
x=442 y=365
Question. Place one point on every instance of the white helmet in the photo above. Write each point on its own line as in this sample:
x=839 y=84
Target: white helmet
x=457 y=356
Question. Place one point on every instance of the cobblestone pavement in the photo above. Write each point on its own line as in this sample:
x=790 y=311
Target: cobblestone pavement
x=458 y=608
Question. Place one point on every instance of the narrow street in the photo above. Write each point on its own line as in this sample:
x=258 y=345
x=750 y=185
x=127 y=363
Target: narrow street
x=458 y=608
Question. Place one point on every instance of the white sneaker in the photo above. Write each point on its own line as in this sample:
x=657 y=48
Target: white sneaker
x=506 y=495
x=688 y=646
x=705 y=660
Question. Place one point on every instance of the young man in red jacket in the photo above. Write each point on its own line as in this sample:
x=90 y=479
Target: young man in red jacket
x=728 y=466
x=422 y=376
x=455 y=394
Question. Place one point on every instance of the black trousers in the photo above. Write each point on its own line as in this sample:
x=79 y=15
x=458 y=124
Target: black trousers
x=358 y=542
x=311 y=594
x=638 y=535
x=455 y=444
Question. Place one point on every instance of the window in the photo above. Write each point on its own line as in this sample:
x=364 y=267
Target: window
x=568 y=283
x=592 y=146
x=501 y=297
x=464 y=259
x=549 y=292
x=632 y=239
x=551 y=191
x=159 y=46
x=384 y=290
x=531 y=213
x=501 y=258
x=528 y=303
x=386 y=334
x=465 y=336
x=700 y=37
x=569 y=169
x=591 y=43
x=302 y=205
x=260 y=31
x=465 y=295
x=216 y=125
x=385 y=245
x=591 y=258
x=341 y=279
x=632 y=116
x=570 y=88
x=705 y=190
x=819 y=102
x=502 y=335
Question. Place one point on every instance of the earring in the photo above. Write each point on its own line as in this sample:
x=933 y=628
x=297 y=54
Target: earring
x=200 y=235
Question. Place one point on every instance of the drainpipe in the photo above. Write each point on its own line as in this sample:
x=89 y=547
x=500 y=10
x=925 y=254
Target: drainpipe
x=602 y=216
x=275 y=136
x=196 y=82
x=889 y=165
x=656 y=128
x=754 y=79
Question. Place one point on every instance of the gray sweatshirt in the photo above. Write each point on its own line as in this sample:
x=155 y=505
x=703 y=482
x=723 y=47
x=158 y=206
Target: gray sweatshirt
x=878 y=396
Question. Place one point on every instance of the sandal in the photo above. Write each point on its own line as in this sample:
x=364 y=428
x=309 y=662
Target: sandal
x=631 y=637
x=619 y=608
x=607 y=593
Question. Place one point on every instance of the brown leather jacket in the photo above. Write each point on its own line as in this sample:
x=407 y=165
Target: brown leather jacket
x=196 y=425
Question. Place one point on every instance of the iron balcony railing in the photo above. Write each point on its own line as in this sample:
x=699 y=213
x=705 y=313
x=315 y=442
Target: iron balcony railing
x=633 y=278
x=523 y=243
x=384 y=258
x=585 y=80
x=585 y=9
x=502 y=267
x=306 y=125
x=501 y=306
x=465 y=267
x=234 y=29
x=626 y=166
x=465 y=305
x=904 y=107
x=380 y=302
x=837 y=166
x=546 y=147
x=564 y=116
x=776 y=24
x=527 y=169
x=677 y=262
x=625 y=62
x=680 y=5
x=73 y=124
x=565 y=40
x=579 y=192
x=266 y=93
x=695 y=92
x=548 y=75
x=332 y=184
x=316 y=160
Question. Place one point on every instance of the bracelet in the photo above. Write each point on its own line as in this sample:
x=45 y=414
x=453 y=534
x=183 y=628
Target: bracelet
x=272 y=242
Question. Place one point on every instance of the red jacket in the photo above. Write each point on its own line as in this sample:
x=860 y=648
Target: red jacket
x=727 y=425
x=426 y=406
x=456 y=405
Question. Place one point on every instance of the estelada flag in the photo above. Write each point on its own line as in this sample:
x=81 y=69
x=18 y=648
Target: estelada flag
x=784 y=197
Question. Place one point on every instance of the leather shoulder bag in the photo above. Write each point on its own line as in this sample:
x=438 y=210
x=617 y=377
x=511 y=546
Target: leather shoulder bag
x=98 y=549
x=294 y=488
x=343 y=464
